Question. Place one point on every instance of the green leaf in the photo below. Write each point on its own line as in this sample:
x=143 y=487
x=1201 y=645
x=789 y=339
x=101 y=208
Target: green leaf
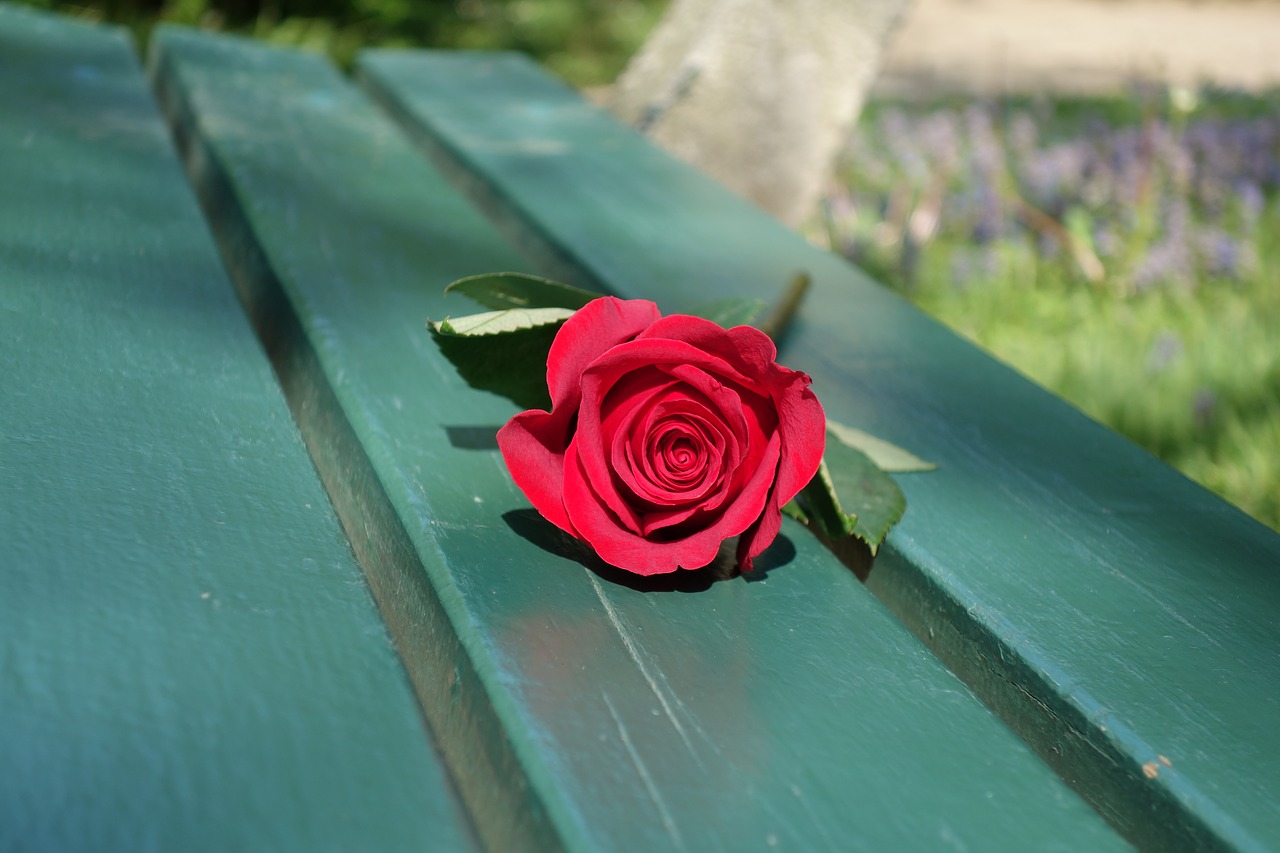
x=501 y=290
x=793 y=509
x=822 y=505
x=504 y=352
x=861 y=489
x=888 y=457
x=727 y=313
x=502 y=322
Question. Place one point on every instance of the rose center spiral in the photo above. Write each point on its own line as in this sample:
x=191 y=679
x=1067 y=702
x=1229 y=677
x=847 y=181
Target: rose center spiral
x=679 y=455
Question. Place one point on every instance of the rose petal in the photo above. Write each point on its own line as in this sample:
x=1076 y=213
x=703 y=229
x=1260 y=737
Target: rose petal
x=706 y=373
x=593 y=330
x=706 y=436
x=625 y=549
x=533 y=445
x=803 y=426
x=756 y=411
x=581 y=491
x=621 y=547
x=801 y=419
x=759 y=536
x=683 y=453
x=727 y=395
x=594 y=438
x=629 y=371
x=748 y=350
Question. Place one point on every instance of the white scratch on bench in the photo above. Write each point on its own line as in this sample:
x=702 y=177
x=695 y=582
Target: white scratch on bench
x=816 y=820
x=668 y=822
x=629 y=642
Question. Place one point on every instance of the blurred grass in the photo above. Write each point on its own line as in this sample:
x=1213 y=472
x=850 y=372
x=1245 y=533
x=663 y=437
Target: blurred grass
x=1187 y=365
x=1193 y=376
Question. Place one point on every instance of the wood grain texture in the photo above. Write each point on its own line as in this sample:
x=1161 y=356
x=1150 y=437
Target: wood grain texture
x=581 y=712
x=189 y=657
x=1119 y=617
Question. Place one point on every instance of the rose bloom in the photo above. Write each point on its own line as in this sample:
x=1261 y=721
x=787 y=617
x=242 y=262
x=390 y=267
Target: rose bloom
x=666 y=436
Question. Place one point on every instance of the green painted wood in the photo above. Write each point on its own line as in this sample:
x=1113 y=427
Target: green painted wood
x=189 y=659
x=583 y=712
x=1121 y=618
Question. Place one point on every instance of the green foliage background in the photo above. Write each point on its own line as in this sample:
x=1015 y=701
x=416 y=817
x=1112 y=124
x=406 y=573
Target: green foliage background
x=585 y=41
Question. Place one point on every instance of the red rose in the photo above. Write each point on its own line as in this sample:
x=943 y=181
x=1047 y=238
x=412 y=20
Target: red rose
x=666 y=436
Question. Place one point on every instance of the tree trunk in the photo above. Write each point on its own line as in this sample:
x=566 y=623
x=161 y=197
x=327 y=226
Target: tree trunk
x=760 y=94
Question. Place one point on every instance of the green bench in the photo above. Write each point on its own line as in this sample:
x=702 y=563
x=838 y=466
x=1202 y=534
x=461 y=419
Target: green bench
x=188 y=656
x=1065 y=645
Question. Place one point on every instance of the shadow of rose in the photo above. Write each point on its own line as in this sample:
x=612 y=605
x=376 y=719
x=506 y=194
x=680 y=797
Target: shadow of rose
x=531 y=526
x=473 y=436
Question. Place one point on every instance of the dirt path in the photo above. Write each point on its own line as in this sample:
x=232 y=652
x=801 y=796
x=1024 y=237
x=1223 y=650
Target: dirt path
x=997 y=46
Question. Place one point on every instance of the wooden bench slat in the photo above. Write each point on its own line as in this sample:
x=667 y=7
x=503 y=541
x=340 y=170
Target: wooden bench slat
x=189 y=657
x=794 y=711
x=1121 y=618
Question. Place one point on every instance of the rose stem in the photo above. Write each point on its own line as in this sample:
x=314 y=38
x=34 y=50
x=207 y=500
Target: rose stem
x=778 y=319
